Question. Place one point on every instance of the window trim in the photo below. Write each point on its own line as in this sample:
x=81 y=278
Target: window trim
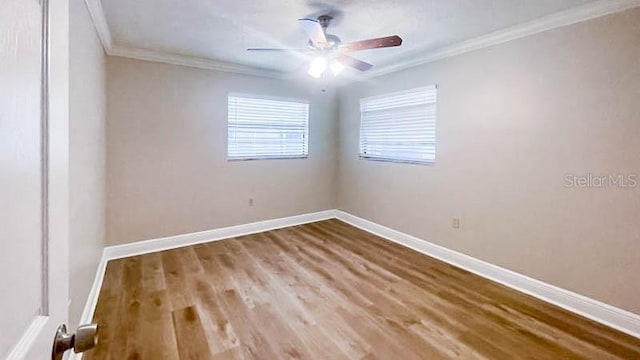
x=392 y=160
x=268 y=157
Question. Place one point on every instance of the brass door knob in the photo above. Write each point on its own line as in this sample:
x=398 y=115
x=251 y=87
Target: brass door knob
x=85 y=338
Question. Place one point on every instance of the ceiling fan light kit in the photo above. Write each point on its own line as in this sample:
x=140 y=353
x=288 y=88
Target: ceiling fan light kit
x=330 y=51
x=336 y=67
x=317 y=67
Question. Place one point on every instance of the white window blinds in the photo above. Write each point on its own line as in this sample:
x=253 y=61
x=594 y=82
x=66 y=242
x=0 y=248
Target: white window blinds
x=267 y=129
x=399 y=126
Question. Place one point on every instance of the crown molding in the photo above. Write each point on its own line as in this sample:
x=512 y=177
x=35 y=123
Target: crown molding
x=191 y=61
x=100 y=22
x=568 y=17
x=550 y=22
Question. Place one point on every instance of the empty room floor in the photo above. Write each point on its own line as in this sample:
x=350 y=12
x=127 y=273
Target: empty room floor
x=327 y=290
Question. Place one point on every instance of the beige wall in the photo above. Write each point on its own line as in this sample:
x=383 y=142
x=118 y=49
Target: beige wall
x=87 y=117
x=513 y=120
x=167 y=171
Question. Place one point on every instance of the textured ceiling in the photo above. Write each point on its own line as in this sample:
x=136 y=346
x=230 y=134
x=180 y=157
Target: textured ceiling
x=223 y=29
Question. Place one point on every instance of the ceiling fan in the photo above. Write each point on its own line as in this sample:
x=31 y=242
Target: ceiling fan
x=330 y=51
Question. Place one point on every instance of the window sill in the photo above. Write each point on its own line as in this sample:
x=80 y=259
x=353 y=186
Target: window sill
x=398 y=161
x=267 y=158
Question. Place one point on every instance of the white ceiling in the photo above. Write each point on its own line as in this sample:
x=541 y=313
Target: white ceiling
x=222 y=29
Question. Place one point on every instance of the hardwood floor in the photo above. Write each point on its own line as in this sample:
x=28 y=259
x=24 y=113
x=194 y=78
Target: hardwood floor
x=328 y=291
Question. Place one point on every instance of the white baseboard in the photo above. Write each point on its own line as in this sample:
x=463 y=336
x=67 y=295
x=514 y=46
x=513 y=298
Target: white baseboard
x=616 y=318
x=92 y=298
x=172 y=242
x=611 y=316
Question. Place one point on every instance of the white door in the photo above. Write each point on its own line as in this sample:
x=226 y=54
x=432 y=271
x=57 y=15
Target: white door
x=33 y=176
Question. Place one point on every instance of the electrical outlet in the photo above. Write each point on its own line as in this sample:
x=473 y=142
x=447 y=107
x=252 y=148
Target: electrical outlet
x=250 y=201
x=455 y=223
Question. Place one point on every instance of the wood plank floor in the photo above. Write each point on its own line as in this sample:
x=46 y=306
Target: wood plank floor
x=328 y=291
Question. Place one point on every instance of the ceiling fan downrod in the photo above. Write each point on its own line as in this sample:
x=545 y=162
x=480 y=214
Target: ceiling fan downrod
x=324 y=21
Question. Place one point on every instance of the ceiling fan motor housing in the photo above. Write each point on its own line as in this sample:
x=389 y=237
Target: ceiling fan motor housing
x=333 y=40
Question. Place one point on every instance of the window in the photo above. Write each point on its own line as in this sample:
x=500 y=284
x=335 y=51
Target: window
x=267 y=129
x=399 y=126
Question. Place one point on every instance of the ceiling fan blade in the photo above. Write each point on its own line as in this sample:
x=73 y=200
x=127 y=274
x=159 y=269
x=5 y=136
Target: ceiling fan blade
x=279 y=49
x=314 y=31
x=382 y=42
x=354 y=63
